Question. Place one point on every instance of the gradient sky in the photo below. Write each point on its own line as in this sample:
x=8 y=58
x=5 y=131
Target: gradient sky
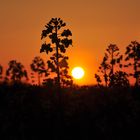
x=94 y=24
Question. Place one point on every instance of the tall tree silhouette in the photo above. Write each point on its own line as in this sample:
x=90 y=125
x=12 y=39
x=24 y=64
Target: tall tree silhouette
x=57 y=40
x=38 y=66
x=16 y=71
x=133 y=56
x=1 y=71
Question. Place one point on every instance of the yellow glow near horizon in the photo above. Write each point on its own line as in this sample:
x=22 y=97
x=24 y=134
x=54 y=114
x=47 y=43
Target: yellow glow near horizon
x=78 y=72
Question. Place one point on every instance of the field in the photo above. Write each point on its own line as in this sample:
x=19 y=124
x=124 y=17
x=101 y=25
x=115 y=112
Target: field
x=31 y=112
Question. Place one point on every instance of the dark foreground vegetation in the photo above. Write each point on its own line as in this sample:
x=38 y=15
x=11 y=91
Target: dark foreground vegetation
x=37 y=113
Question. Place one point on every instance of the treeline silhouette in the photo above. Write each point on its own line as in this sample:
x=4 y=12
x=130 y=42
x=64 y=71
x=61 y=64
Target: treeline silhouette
x=57 y=109
x=115 y=69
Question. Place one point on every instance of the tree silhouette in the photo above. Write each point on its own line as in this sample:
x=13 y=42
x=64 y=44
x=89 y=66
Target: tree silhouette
x=16 y=71
x=98 y=79
x=111 y=58
x=65 y=79
x=38 y=66
x=104 y=67
x=133 y=56
x=58 y=40
x=120 y=80
x=1 y=71
x=114 y=56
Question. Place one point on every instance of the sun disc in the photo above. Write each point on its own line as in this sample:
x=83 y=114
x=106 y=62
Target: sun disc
x=78 y=72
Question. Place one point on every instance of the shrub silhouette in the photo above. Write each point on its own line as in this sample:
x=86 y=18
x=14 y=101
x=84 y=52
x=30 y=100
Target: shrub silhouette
x=120 y=80
x=98 y=79
x=16 y=71
x=38 y=66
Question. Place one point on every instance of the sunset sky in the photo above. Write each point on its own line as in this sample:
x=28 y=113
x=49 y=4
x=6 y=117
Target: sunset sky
x=94 y=25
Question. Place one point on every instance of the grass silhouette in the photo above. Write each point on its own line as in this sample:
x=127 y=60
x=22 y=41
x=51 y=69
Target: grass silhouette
x=33 y=112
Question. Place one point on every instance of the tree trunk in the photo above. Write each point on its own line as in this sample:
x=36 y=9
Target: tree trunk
x=136 y=74
x=112 y=64
x=105 y=78
x=57 y=59
x=38 y=79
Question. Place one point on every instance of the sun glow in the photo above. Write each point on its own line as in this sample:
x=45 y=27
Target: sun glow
x=78 y=72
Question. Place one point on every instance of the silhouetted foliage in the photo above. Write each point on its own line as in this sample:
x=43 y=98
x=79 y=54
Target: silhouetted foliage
x=98 y=79
x=104 y=67
x=111 y=58
x=49 y=83
x=65 y=79
x=31 y=113
x=38 y=66
x=57 y=41
x=120 y=80
x=114 y=56
x=16 y=71
x=133 y=56
x=1 y=71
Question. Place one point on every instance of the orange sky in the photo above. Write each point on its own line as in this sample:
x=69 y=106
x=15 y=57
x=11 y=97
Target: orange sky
x=94 y=24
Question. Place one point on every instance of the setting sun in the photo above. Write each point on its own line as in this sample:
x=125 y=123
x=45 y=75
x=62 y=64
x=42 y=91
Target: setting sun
x=78 y=72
